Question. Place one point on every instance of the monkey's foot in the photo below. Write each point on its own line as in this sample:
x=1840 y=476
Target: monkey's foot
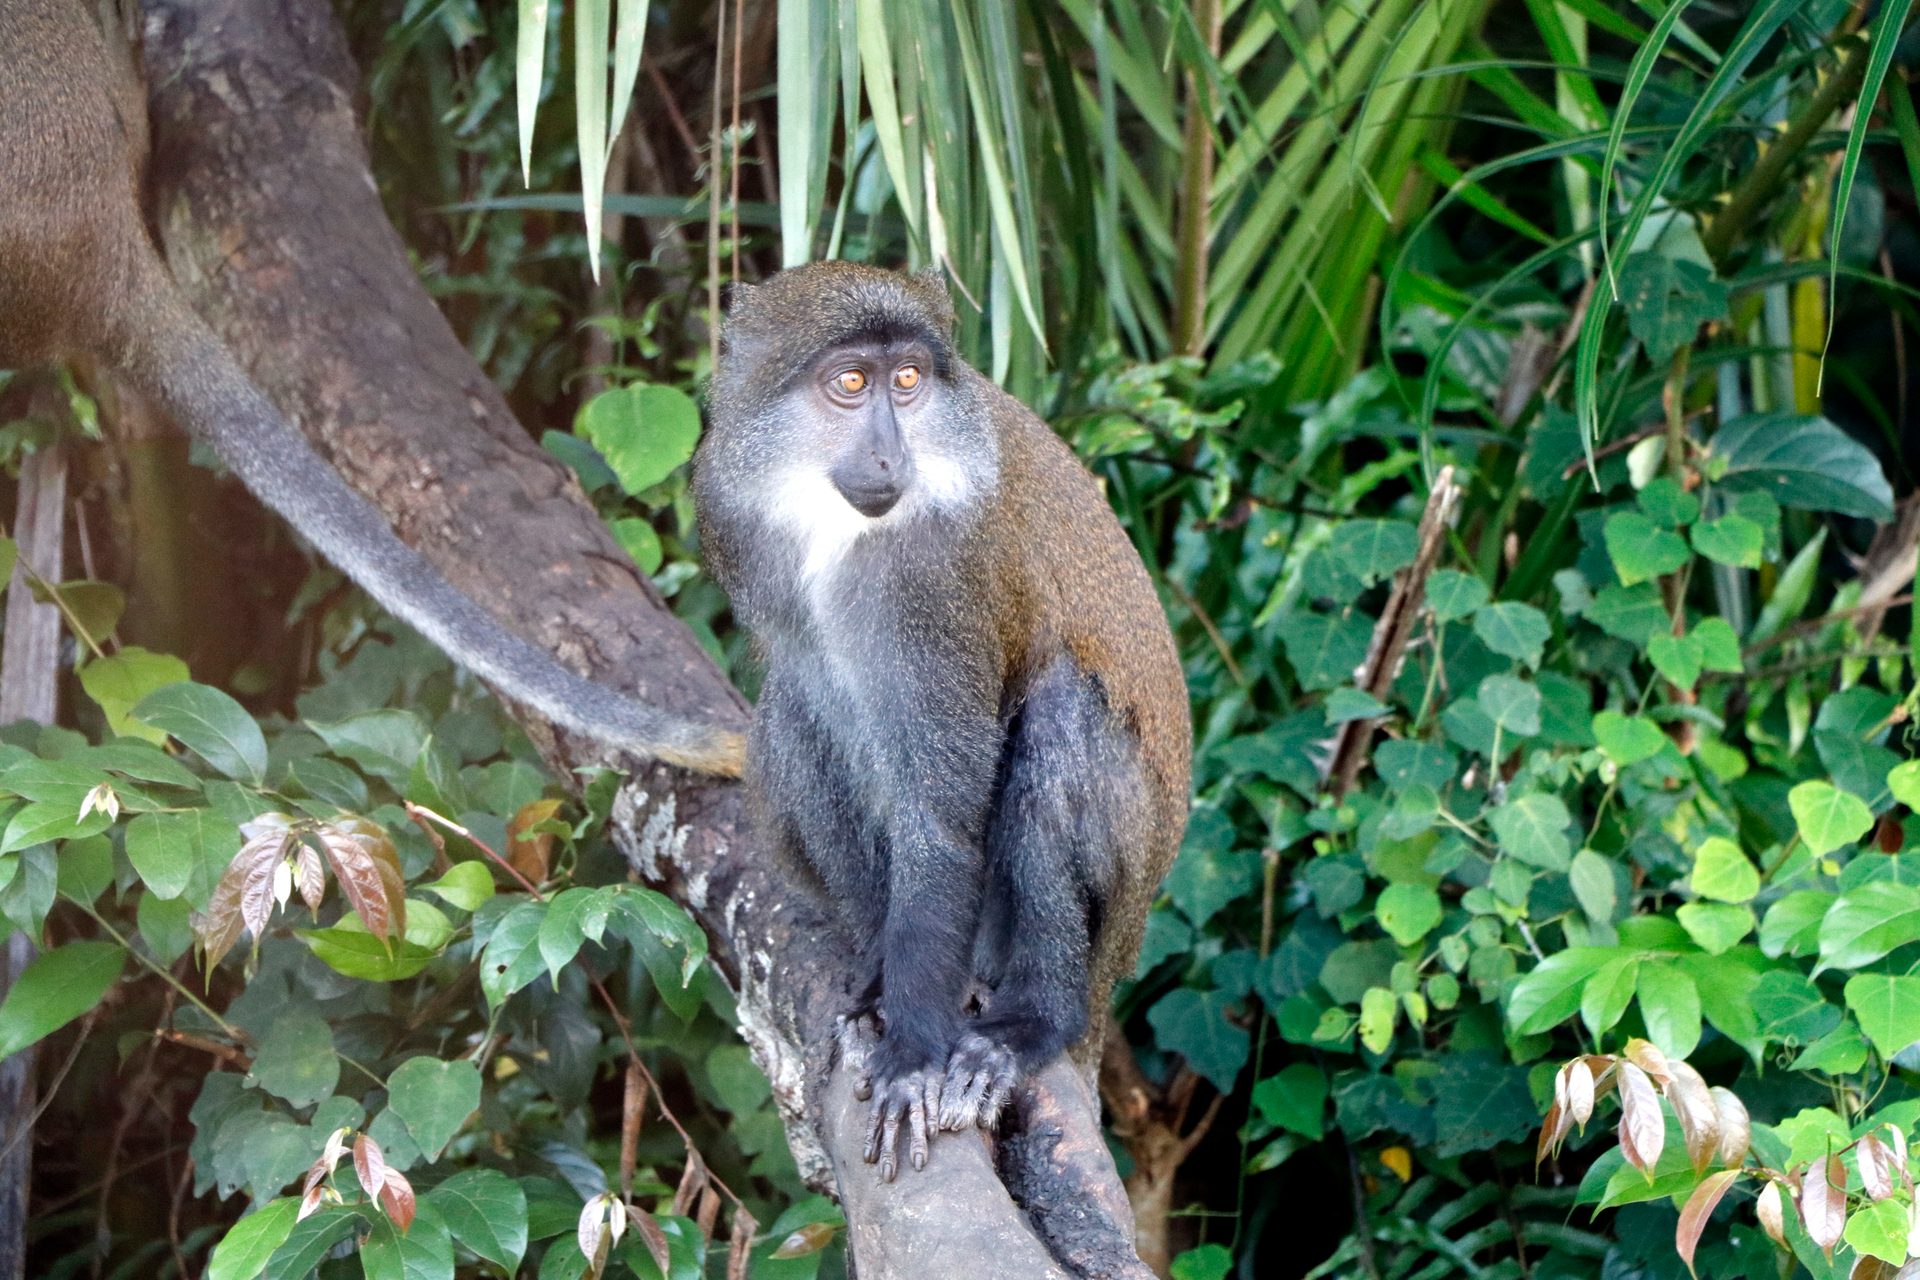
x=912 y=1099
x=856 y=1036
x=981 y=1075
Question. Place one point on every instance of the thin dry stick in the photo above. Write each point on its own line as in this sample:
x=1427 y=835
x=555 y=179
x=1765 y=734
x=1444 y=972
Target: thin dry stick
x=1388 y=646
x=713 y=188
x=733 y=161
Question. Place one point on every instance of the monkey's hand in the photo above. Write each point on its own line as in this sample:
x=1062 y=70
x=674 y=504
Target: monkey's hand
x=914 y=1098
x=856 y=1037
x=981 y=1076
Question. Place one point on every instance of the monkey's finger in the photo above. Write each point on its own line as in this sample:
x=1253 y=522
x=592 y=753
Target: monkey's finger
x=953 y=1102
x=917 y=1138
x=999 y=1094
x=890 y=1137
x=863 y=1088
x=874 y=1118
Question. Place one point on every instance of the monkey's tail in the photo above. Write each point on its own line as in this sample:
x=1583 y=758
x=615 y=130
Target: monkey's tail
x=176 y=359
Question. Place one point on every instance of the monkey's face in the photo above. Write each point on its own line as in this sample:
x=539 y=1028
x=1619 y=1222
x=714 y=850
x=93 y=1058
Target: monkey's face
x=863 y=396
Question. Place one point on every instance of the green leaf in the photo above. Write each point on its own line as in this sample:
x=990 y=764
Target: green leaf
x=1678 y=658
x=487 y=1212
x=1604 y=999
x=1792 y=1008
x=1512 y=704
x=1533 y=828
x=1731 y=540
x=1379 y=1011
x=424 y=1252
x=637 y=913
x=466 y=885
x=120 y=680
x=296 y=1060
x=385 y=742
x=57 y=987
x=1641 y=550
x=644 y=431
x=1666 y=503
x=348 y=948
x=1841 y=1052
x=1353 y=704
x=1452 y=594
x=512 y=956
x=1325 y=648
x=211 y=723
x=1722 y=872
x=1862 y=925
x=1206 y=1262
x=1408 y=912
x=1904 y=781
x=43 y=823
x=1513 y=630
x=1549 y=995
x=1880 y=1230
x=639 y=539
x=1374 y=549
x=181 y=854
x=1197 y=1026
x=1591 y=875
x=1667 y=300
x=1627 y=740
x=1670 y=1006
x=244 y=1251
x=1827 y=817
x=1888 y=1008
x=1716 y=926
x=1719 y=647
x=1634 y=614
x=433 y=1098
x=1803 y=462
x=1294 y=1100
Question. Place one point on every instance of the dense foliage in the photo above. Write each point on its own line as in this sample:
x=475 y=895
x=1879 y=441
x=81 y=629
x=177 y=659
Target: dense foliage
x=1545 y=596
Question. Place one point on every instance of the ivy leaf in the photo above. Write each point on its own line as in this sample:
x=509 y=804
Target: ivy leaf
x=1827 y=817
x=120 y=680
x=1678 y=658
x=487 y=1212
x=433 y=1099
x=1294 y=1100
x=1206 y=1262
x=644 y=431
x=212 y=724
x=1666 y=503
x=296 y=1059
x=1627 y=740
x=1888 y=1008
x=1408 y=912
x=1197 y=1025
x=1715 y=926
x=54 y=989
x=1803 y=462
x=1513 y=630
x=1452 y=594
x=1512 y=704
x=1634 y=614
x=1325 y=648
x=1667 y=299
x=1379 y=1012
x=1731 y=540
x=1533 y=828
x=1903 y=780
x=1719 y=646
x=1880 y=1231
x=1722 y=872
x=1641 y=550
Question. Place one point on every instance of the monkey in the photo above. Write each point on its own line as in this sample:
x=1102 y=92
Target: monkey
x=80 y=276
x=973 y=726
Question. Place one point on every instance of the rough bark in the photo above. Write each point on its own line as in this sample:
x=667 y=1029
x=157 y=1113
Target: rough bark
x=270 y=218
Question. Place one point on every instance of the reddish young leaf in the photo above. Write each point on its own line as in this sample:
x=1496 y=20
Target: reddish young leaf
x=1699 y=1208
x=1643 y=1130
x=243 y=900
x=396 y=1197
x=1736 y=1129
x=310 y=875
x=368 y=869
x=1553 y=1131
x=811 y=1238
x=1769 y=1210
x=1877 y=1176
x=651 y=1235
x=1693 y=1107
x=740 y=1245
x=1823 y=1203
x=310 y=1200
x=1580 y=1092
x=1645 y=1055
x=369 y=1164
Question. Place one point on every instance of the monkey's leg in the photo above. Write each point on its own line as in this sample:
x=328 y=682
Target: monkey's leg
x=1068 y=799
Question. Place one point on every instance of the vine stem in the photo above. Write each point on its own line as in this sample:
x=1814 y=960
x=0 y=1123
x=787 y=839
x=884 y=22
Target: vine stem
x=234 y=1033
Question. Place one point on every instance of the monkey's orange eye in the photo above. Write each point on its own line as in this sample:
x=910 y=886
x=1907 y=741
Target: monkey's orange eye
x=907 y=377
x=850 y=383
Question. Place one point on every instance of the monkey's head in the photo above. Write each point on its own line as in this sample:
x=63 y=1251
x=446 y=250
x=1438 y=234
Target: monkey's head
x=839 y=405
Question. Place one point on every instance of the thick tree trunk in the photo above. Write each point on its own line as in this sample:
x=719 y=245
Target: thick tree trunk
x=269 y=217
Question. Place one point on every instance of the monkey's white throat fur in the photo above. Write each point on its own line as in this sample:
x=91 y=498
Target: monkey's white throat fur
x=805 y=503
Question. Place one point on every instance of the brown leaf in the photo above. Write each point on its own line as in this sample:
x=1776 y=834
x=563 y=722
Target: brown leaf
x=396 y=1196
x=1736 y=1129
x=1868 y=1267
x=633 y=1113
x=243 y=900
x=531 y=852
x=650 y=1233
x=1693 y=1107
x=708 y=1213
x=1646 y=1055
x=1889 y=834
x=368 y=869
x=1643 y=1129
x=1823 y=1203
x=1553 y=1131
x=1699 y=1208
x=311 y=1200
x=740 y=1246
x=310 y=874
x=811 y=1238
x=1770 y=1213
x=369 y=1164
x=692 y=1179
x=1877 y=1176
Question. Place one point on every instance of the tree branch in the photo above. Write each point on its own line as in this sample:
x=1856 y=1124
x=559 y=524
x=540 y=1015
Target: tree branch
x=270 y=218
